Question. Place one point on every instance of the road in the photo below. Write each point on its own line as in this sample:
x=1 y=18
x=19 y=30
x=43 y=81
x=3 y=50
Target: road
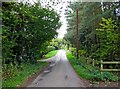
x=59 y=74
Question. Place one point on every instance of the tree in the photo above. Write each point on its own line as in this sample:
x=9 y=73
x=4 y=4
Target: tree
x=91 y=40
x=26 y=28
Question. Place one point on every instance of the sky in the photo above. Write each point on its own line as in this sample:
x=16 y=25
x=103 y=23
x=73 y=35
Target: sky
x=63 y=28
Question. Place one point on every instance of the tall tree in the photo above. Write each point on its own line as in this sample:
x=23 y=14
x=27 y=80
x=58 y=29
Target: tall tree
x=25 y=28
x=90 y=16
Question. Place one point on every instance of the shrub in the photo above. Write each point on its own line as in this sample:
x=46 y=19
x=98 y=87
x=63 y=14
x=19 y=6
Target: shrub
x=50 y=48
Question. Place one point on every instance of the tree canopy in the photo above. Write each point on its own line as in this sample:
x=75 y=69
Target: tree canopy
x=94 y=15
x=25 y=29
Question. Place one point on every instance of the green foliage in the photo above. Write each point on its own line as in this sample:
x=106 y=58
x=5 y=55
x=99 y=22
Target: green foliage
x=26 y=30
x=71 y=58
x=9 y=70
x=109 y=24
x=73 y=50
x=108 y=35
x=51 y=54
x=90 y=73
x=98 y=44
x=93 y=43
x=50 y=48
x=22 y=74
x=82 y=52
x=57 y=43
x=88 y=21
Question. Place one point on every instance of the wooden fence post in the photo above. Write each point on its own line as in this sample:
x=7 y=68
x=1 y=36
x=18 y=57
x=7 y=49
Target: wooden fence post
x=107 y=62
x=93 y=63
x=101 y=68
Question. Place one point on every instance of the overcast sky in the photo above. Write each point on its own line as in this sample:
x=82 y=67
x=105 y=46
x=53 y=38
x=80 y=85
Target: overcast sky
x=63 y=28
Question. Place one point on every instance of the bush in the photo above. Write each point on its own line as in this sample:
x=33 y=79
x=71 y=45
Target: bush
x=82 y=52
x=50 y=48
x=73 y=50
x=25 y=30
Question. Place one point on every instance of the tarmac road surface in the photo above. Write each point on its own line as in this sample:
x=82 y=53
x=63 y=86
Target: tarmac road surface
x=59 y=74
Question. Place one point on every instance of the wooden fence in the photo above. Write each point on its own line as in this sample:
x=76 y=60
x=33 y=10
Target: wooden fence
x=113 y=62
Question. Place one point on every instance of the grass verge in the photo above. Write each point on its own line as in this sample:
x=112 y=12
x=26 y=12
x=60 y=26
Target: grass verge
x=89 y=72
x=26 y=71
x=51 y=54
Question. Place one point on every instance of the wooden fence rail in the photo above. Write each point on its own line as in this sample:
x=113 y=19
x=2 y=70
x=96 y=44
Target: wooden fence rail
x=113 y=62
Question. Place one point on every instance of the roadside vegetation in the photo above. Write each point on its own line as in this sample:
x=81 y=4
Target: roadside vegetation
x=27 y=30
x=89 y=72
x=98 y=39
x=20 y=75
x=25 y=71
x=51 y=54
x=98 y=35
x=29 y=33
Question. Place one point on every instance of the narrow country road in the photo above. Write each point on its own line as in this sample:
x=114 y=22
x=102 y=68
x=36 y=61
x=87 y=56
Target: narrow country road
x=60 y=75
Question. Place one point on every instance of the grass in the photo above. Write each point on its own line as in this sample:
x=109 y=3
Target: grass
x=51 y=54
x=89 y=72
x=26 y=71
x=0 y=84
